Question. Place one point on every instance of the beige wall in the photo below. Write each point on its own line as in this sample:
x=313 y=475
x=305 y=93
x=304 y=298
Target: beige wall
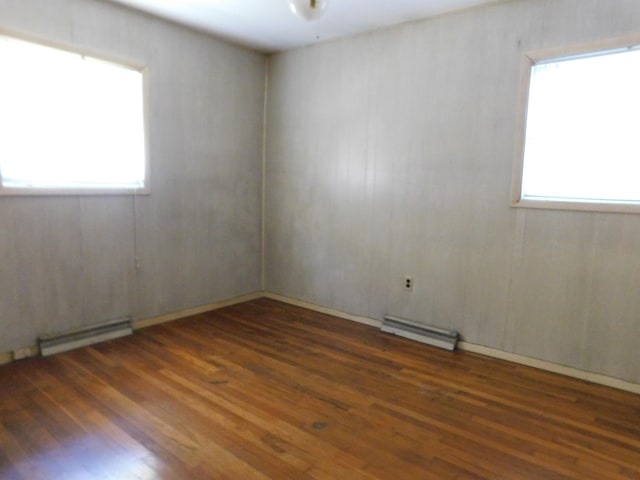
x=69 y=261
x=390 y=154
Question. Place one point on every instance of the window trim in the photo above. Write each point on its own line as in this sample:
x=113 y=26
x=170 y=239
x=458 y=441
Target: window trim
x=529 y=59
x=83 y=50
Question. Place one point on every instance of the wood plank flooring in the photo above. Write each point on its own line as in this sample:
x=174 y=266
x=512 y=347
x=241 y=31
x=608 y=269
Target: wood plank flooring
x=265 y=390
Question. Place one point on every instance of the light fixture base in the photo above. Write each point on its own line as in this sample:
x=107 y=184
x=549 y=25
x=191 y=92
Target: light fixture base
x=308 y=9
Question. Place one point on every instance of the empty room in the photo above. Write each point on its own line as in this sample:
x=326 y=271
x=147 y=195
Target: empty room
x=319 y=239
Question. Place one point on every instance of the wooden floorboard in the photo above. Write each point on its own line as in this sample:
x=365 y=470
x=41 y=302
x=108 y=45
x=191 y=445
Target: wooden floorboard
x=265 y=390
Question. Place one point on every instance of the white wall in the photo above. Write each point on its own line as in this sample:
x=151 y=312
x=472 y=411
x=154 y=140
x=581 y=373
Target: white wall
x=69 y=261
x=391 y=153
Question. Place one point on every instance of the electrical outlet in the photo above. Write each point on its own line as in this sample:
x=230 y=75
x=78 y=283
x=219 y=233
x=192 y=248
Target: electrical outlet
x=408 y=284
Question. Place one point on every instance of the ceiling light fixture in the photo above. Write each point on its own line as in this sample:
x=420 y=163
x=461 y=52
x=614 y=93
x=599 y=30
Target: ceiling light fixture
x=308 y=9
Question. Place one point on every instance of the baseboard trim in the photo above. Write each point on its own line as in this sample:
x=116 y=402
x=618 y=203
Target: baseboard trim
x=329 y=311
x=551 y=367
x=596 y=378
x=33 y=351
x=19 y=354
x=482 y=350
x=169 y=317
x=5 y=358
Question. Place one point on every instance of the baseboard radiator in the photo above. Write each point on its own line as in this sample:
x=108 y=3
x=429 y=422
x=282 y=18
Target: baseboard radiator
x=438 y=337
x=82 y=337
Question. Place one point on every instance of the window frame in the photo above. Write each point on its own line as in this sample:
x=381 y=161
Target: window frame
x=8 y=191
x=529 y=59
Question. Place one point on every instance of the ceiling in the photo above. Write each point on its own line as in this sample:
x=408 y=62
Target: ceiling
x=270 y=26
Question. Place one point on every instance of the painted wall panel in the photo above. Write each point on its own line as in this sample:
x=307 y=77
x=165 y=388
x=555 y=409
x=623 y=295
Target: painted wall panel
x=70 y=261
x=391 y=153
x=107 y=250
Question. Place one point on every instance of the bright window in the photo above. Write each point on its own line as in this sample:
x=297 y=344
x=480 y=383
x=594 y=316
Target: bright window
x=69 y=123
x=582 y=136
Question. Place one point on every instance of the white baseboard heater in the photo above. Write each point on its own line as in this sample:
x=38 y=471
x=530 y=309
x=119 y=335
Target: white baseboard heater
x=438 y=337
x=82 y=337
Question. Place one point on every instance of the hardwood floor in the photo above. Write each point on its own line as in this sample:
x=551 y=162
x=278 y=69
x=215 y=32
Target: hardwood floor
x=266 y=390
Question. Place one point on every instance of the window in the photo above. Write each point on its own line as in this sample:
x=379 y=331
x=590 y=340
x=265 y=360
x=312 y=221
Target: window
x=69 y=123
x=581 y=143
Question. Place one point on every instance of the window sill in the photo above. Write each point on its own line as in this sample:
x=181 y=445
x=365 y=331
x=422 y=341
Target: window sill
x=579 y=206
x=57 y=192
